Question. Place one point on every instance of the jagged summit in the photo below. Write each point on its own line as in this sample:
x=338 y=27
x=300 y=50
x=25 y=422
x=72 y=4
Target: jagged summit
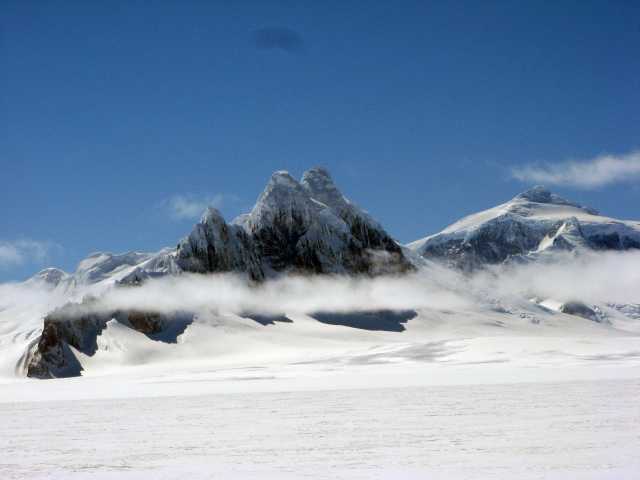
x=306 y=226
x=212 y=215
x=319 y=184
x=283 y=196
x=280 y=181
x=309 y=227
x=215 y=246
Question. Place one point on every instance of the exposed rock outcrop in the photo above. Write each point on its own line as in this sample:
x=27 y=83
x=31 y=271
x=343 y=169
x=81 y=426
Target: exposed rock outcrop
x=76 y=327
x=307 y=227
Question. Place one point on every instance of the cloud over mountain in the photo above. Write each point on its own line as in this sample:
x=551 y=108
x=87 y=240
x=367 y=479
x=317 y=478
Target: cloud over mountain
x=590 y=173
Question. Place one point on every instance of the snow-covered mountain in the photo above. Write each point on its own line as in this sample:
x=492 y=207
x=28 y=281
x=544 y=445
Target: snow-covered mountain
x=301 y=227
x=530 y=226
x=305 y=227
x=311 y=228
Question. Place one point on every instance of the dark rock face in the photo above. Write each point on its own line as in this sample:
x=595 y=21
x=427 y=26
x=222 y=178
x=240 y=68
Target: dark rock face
x=612 y=241
x=307 y=227
x=76 y=326
x=281 y=243
x=52 y=357
x=493 y=243
x=532 y=225
x=215 y=246
x=380 y=320
x=582 y=310
x=268 y=319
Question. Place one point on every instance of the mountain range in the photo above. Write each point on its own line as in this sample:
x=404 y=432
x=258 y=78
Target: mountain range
x=310 y=228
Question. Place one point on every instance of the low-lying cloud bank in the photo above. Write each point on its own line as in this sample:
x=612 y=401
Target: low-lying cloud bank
x=596 y=172
x=589 y=277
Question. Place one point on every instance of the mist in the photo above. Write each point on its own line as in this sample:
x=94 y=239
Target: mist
x=594 y=277
x=610 y=276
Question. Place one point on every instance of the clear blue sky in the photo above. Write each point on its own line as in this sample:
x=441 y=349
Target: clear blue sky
x=419 y=109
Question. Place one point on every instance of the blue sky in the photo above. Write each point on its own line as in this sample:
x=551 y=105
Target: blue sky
x=117 y=119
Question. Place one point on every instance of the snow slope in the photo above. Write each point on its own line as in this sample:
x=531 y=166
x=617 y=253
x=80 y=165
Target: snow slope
x=447 y=376
x=533 y=222
x=457 y=395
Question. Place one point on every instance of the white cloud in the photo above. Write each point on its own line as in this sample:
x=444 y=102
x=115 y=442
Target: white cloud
x=592 y=277
x=189 y=207
x=290 y=294
x=596 y=172
x=19 y=252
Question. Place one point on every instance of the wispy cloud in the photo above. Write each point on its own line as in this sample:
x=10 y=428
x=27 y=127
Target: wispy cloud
x=19 y=252
x=190 y=207
x=590 y=173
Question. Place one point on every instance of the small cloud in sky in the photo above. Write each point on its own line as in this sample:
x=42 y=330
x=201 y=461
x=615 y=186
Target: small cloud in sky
x=589 y=173
x=20 y=252
x=191 y=207
x=278 y=38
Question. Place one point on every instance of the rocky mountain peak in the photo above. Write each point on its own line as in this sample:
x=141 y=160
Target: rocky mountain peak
x=283 y=196
x=319 y=184
x=281 y=180
x=282 y=190
x=534 y=221
x=212 y=216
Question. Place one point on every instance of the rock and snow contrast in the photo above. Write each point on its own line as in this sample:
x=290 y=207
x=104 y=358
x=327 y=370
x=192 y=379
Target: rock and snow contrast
x=305 y=227
x=309 y=315
x=532 y=224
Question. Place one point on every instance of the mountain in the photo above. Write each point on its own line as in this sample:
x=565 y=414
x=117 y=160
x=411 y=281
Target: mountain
x=309 y=227
x=305 y=227
x=532 y=225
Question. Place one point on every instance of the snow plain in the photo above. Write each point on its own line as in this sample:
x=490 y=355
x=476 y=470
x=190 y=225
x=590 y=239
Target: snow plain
x=454 y=396
x=475 y=386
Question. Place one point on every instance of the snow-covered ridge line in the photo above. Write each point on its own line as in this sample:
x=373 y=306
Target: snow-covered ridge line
x=534 y=222
x=294 y=228
x=309 y=228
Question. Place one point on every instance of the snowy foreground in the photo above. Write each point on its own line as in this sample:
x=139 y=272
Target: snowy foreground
x=574 y=430
x=526 y=369
x=559 y=400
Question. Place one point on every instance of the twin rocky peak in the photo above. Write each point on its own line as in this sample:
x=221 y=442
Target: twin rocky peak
x=306 y=226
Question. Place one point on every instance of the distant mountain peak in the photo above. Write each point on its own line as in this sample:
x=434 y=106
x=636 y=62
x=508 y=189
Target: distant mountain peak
x=211 y=215
x=538 y=194
x=50 y=276
x=534 y=221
